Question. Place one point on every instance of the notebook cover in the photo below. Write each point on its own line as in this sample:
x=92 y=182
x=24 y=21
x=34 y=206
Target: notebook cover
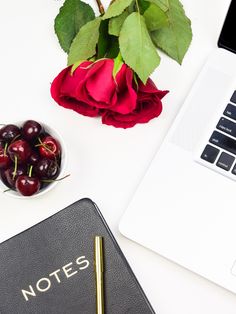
x=49 y=268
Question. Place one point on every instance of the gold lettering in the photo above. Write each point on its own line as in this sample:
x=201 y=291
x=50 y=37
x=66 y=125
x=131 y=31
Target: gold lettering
x=31 y=292
x=66 y=271
x=46 y=288
x=44 y=284
x=81 y=260
x=55 y=274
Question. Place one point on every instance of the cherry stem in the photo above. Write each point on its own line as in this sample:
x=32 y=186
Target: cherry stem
x=15 y=167
x=100 y=7
x=30 y=171
x=13 y=140
x=49 y=181
x=7 y=190
x=5 y=149
x=45 y=146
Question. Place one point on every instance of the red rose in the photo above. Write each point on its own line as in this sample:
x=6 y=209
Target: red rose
x=92 y=88
x=64 y=88
x=149 y=106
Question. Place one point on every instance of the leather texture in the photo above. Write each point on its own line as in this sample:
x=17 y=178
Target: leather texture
x=33 y=261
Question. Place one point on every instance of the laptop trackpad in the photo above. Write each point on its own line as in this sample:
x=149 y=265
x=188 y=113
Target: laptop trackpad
x=202 y=105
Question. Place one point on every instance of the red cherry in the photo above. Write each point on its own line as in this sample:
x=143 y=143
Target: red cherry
x=4 y=179
x=19 y=150
x=9 y=132
x=31 y=130
x=34 y=158
x=5 y=160
x=49 y=147
x=30 y=158
x=11 y=174
x=27 y=185
x=47 y=169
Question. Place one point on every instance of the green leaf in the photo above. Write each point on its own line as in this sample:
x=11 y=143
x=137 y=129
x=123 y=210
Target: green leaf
x=116 y=8
x=135 y=80
x=118 y=62
x=162 y=4
x=75 y=66
x=108 y=46
x=72 y=16
x=132 y=7
x=84 y=44
x=136 y=46
x=113 y=49
x=174 y=39
x=103 y=41
x=115 y=23
x=143 y=6
x=155 y=18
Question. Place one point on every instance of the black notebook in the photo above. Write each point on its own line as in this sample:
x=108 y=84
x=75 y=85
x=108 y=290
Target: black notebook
x=49 y=268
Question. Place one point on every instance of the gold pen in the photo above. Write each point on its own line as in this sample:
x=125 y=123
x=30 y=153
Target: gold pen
x=98 y=254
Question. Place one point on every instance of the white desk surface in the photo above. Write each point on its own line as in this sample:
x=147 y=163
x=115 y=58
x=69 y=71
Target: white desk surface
x=105 y=163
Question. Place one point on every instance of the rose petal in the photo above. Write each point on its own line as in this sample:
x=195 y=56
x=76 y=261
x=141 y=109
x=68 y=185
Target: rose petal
x=70 y=81
x=150 y=110
x=100 y=83
x=79 y=107
x=115 y=119
x=126 y=96
x=150 y=88
x=63 y=89
x=83 y=95
x=144 y=113
x=57 y=82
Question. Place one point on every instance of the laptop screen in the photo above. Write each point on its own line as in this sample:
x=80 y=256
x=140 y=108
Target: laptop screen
x=227 y=38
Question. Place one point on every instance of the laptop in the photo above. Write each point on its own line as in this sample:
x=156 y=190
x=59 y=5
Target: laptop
x=185 y=206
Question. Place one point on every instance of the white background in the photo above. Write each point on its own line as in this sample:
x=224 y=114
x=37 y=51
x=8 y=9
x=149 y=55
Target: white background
x=105 y=163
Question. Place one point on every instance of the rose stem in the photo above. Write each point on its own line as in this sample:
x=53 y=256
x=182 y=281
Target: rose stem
x=137 y=6
x=100 y=7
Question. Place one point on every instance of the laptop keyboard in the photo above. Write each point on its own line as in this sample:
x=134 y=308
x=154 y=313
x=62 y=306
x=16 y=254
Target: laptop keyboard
x=221 y=149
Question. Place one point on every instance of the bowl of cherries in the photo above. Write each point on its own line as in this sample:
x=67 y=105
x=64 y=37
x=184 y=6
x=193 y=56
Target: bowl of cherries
x=32 y=158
